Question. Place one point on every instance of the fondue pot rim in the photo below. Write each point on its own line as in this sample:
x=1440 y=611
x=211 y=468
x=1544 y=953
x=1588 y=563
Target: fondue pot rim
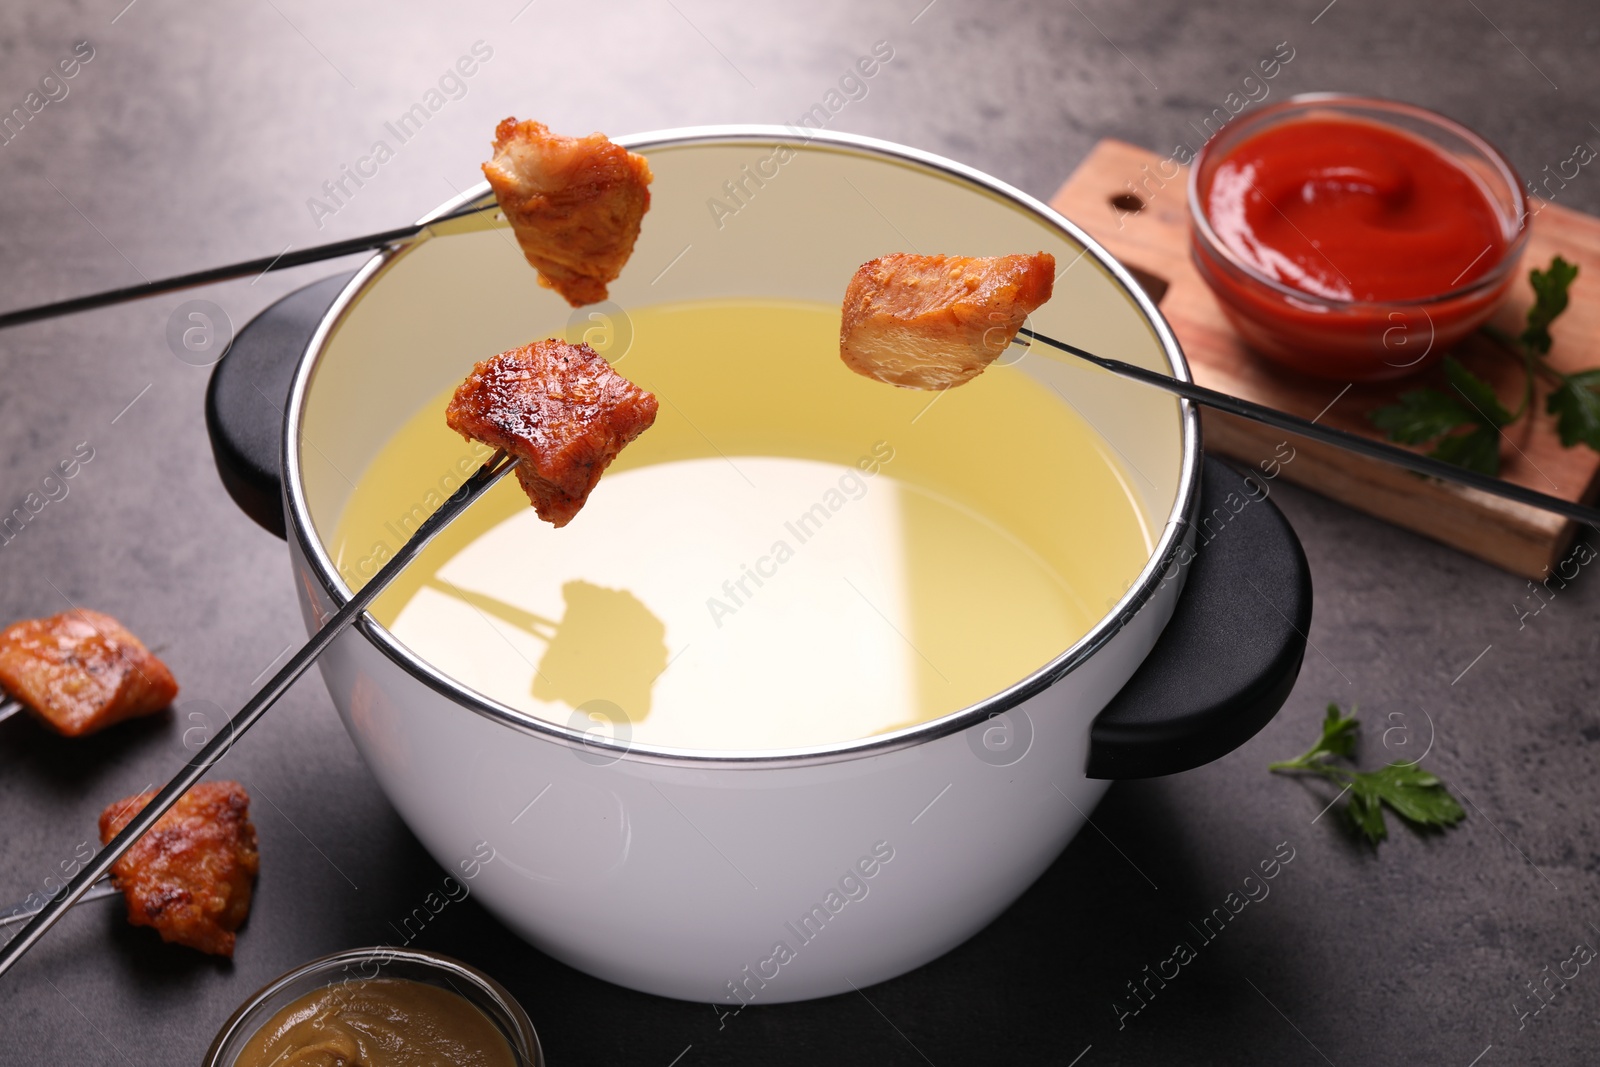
x=1138 y=594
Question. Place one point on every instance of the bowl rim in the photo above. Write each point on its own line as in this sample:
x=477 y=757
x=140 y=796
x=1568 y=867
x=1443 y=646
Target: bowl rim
x=1160 y=568
x=448 y=966
x=1208 y=241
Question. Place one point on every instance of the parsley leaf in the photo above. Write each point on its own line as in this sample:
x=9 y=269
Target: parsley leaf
x=1470 y=405
x=1431 y=415
x=1421 y=415
x=1549 y=301
x=1576 y=405
x=1416 y=795
x=1477 y=451
x=1339 y=733
x=1479 y=395
x=1366 y=815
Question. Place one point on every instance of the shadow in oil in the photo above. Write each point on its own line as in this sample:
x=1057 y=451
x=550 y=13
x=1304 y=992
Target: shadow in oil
x=607 y=645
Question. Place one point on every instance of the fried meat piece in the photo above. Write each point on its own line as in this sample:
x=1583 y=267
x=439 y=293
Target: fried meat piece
x=562 y=409
x=190 y=875
x=82 y=671
x=931 y=322
x=573 y=202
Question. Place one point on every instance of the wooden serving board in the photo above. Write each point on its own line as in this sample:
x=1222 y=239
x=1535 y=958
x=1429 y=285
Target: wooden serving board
x=1152 y=240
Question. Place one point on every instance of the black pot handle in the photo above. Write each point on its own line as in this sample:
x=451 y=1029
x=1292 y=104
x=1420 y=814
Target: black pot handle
x=249 y=388
x=1221 y=669
x=1228 y=658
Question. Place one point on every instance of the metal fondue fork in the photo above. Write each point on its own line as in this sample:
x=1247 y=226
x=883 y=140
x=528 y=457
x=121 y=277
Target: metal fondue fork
x=98 y=890
x=460 y=220
x=1350 y=442
x=497 y=467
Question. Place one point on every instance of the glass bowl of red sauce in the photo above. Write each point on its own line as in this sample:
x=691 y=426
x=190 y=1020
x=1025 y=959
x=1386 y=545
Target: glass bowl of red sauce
x=1352 y=238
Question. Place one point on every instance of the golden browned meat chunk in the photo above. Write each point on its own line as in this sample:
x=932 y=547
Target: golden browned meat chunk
x=189 y=876
x=562 y=409
x=930 y=322
x=82 y=671
x=573 y=202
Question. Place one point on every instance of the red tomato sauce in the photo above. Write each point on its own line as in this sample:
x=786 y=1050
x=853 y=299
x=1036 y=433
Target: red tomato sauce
x=1351 y=210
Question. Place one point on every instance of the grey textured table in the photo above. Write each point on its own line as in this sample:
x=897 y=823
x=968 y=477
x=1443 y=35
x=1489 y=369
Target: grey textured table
x=197 y=134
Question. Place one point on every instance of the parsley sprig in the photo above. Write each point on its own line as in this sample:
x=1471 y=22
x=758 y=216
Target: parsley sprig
x=1411 y=792
x=1464 y=424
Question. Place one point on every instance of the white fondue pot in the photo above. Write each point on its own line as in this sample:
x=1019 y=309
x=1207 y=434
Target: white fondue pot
x=770 y=875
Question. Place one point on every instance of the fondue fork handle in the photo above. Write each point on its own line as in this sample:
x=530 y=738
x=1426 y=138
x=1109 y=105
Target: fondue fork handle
x=282 y=261
x=18 y=912
x=497 y=466
x=1329 y=435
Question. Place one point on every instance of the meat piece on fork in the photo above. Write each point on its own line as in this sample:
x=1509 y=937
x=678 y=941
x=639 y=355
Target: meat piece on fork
x=932 y=322
x=561 y=409
x=190 y=875
x=82 y=671
x=575 y=204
